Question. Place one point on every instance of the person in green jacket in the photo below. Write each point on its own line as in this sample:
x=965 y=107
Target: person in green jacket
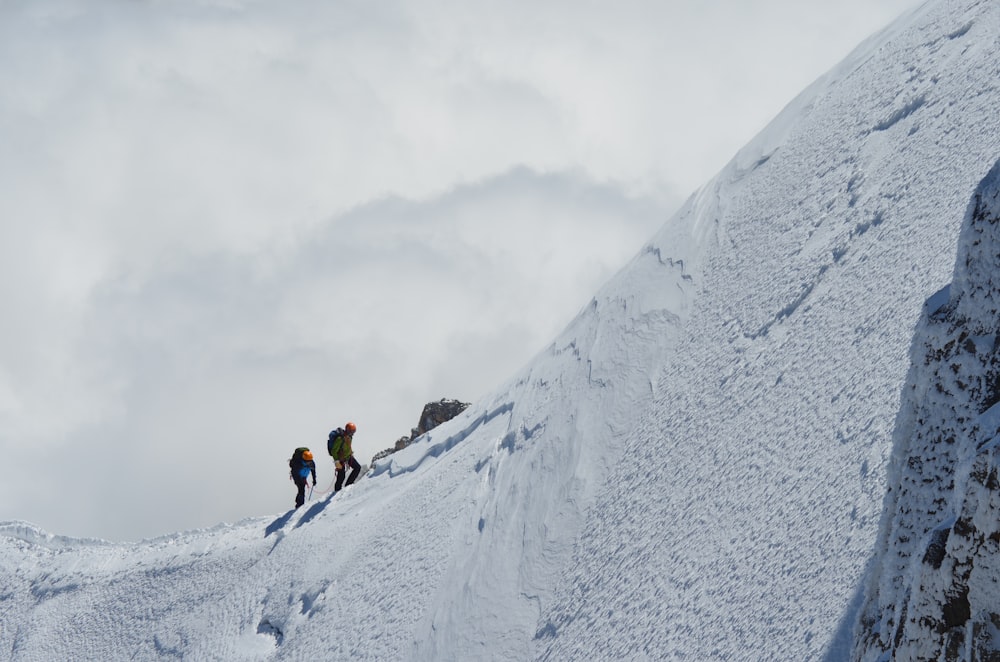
x=339 y=447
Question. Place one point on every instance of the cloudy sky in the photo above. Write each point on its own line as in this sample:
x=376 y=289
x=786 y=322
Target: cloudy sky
x=227 y=226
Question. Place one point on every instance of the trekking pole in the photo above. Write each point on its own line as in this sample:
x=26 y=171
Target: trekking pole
x=311 y=487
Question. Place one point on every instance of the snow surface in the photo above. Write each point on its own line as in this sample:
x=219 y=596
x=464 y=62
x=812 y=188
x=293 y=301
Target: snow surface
x=694 y=470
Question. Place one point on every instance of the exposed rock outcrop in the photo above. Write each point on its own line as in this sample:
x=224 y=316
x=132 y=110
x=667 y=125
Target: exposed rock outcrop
x=433 y=415
x=934 y=592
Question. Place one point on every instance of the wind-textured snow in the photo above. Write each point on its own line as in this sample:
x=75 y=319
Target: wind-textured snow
x=694 y=470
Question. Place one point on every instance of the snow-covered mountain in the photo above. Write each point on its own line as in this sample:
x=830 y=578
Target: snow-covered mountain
x=695 y=469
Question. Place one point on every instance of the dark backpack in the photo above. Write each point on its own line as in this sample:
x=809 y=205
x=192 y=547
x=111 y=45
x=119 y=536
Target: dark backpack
x=339 y=432
x=297 y=456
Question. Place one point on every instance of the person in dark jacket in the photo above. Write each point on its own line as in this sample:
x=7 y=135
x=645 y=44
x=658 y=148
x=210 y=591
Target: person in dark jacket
x=302 y=465
x=343 y=456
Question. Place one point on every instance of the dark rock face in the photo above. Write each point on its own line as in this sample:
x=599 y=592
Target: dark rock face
x=434 y=414
x=934 y=593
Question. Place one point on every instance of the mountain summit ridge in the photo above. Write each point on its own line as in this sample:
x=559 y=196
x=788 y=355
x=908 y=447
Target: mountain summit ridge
x=696 y=468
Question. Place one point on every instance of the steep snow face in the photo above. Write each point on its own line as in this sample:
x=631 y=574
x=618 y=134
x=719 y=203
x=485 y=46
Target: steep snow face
x=741 y=518
x=935 y=591
x=694 y=469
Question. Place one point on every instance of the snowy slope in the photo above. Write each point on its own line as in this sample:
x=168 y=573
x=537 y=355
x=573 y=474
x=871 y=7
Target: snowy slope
x=694 y=469
x=743 y=520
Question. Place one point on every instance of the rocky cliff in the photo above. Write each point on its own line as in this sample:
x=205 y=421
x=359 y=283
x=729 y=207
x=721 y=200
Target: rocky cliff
x=934 y=592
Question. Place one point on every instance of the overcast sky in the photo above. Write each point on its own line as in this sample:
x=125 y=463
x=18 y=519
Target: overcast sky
x=228 y=226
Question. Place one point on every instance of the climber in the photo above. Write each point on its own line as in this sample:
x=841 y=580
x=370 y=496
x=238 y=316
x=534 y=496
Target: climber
x=301 y=465
x=339 y=446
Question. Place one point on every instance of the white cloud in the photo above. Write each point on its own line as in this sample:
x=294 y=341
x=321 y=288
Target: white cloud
x=208 y=369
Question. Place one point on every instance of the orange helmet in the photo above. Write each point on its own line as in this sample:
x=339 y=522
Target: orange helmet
x=350 y=428
x=307 y=456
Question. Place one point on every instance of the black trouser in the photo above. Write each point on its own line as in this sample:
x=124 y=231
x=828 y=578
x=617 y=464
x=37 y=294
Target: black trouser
x=355 y=470
x=300 y=498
